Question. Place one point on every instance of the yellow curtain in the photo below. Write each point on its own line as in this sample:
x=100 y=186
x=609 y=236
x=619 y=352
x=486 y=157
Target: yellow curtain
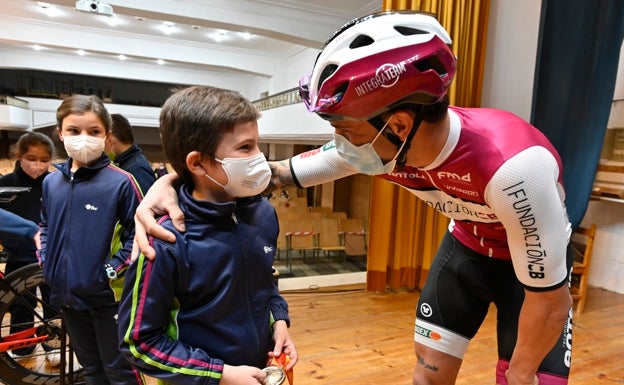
x=405 y=232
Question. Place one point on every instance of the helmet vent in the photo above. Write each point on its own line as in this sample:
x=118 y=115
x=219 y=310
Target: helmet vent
x=361 y=41
x=431 y=63
x=408 y=31
x=327 y=72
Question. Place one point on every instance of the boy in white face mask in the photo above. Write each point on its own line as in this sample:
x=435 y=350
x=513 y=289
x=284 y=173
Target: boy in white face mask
x=217 y=277
x=82 y=204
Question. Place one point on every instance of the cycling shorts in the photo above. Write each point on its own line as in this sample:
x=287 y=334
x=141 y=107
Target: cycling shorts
x=456 y=298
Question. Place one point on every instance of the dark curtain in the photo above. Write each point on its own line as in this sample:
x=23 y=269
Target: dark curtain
x=577 y=60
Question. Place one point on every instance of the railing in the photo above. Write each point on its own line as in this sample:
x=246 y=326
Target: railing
x=283 y=98
x=13 y=101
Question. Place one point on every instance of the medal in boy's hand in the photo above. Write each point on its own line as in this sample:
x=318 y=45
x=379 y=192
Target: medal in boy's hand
x=279 y=363
x=275 y=375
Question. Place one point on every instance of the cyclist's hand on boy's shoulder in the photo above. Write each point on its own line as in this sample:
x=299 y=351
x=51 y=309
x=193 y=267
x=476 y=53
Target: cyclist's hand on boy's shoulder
x=242 y=375
x=160 y=199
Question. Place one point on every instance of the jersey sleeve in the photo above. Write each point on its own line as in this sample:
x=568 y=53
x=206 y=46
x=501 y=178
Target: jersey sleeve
x=528 y=199
x=319 y=166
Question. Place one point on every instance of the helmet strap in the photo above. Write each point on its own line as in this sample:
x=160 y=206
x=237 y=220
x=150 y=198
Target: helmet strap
x=418 y=118
x=380 y=124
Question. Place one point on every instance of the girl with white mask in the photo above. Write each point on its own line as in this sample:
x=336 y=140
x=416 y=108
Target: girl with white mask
x=83 y=133
x=87 y=229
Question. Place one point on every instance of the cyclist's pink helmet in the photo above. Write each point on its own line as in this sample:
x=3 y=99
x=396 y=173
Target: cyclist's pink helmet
x=378 y=62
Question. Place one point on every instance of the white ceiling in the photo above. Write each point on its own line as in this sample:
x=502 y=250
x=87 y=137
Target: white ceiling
x=279 y=29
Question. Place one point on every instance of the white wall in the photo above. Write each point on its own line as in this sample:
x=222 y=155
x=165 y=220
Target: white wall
x=294 y=124
x=510 y=56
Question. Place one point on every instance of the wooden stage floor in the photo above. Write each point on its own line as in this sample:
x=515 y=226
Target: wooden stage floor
x=346 y=336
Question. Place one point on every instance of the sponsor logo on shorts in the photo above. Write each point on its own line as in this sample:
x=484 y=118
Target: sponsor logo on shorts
x=427 y=333
x=426 y=310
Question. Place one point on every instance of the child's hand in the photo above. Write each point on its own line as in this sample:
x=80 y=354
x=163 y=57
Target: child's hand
x=284 y=344
x=242 y=375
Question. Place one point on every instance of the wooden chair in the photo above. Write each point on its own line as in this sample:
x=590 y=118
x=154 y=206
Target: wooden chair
x=354 y=236
x=300 y=236
x=582 y=241
x=336 y=215
x=330 y=238
x=320 y=209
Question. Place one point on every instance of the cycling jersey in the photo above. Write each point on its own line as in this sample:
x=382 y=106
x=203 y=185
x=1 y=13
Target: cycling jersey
x=500 y=181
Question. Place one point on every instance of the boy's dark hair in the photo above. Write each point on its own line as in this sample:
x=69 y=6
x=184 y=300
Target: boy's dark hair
x=195 y=119
x=122 y=129
x=79 y=104
x=30 y=139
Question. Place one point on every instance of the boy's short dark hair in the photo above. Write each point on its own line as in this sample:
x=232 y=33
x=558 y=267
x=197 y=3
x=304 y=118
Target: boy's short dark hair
x=122 y=129
x=195 y=119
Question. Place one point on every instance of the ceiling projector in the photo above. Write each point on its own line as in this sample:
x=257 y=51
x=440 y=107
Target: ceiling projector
x=94 y=7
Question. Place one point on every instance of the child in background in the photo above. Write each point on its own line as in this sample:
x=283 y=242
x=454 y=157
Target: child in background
x=206 y=309
x=126 y=154
x=161 y=170
x=34 y=152
x=81 y=205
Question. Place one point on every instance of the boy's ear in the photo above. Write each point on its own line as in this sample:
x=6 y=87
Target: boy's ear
x=195 y=163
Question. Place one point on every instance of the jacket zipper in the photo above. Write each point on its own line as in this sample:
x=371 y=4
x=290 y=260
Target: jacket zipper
x=66 y=247
x=246 y=266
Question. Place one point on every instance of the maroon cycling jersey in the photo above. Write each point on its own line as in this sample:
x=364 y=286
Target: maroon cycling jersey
x=498 y=178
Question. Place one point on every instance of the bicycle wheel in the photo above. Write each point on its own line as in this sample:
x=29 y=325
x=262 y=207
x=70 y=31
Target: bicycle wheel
x=25 y=287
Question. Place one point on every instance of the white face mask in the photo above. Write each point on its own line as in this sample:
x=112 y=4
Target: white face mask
x=34 y=169
x=84 y=148
x=246 y=176
x=364 y=158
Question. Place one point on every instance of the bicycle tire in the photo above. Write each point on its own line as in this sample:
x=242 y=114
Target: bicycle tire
x=31 y=369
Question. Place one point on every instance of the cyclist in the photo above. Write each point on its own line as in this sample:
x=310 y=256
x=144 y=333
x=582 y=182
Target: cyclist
x=382 y=82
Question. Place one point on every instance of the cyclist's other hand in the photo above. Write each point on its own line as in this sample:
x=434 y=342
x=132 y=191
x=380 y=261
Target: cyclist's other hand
x=160 y=199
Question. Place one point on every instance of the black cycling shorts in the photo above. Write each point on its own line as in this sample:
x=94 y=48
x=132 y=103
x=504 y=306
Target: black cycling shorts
x=456 y=297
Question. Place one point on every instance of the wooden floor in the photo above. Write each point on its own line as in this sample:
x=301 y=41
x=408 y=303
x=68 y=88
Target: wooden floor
x=346 y=336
